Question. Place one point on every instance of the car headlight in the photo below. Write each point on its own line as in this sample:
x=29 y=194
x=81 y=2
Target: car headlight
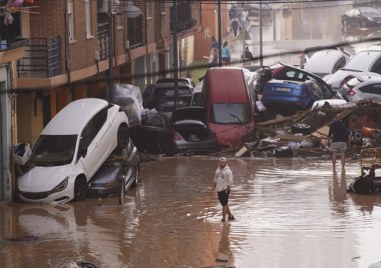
x=60 y=187
x=370 y=18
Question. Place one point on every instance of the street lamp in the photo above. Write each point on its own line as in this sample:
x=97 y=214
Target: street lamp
x=130 y=12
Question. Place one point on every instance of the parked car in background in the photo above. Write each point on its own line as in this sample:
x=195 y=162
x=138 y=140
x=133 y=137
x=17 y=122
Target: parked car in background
x=185 y=132
x=162 y=95
x=286 y=97
x=117 y=174
x=70 y=149
x=361 y=88
x=326 y=62
x=283 y=71
x=366 y=62
x=361 y=17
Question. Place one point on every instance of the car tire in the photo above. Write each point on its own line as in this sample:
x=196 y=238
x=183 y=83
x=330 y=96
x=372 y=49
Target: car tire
x=80 y=187
x=123 y=137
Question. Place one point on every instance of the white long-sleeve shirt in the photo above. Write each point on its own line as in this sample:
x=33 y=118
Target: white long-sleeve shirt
x=223 y=178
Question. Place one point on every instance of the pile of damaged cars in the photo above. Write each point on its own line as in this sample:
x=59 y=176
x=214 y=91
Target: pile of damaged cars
x=84 y=149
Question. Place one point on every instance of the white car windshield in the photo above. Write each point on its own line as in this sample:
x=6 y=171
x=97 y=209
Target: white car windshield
x=54 y=150
x=230 y=113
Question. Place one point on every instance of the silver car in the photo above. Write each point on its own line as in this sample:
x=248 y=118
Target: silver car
x=366 y=62
x=361 y=88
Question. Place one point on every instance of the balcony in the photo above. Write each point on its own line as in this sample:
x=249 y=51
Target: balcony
x=12 y=52
x=42 y=58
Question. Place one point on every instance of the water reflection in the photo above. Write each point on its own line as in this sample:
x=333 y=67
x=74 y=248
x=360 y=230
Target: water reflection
x=289 y=213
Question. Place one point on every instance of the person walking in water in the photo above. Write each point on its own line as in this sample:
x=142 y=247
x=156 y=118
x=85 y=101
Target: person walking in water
x=223 y=181
x=338 y=135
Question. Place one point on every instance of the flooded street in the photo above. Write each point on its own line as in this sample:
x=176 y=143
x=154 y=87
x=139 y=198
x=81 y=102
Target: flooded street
x=289 y=213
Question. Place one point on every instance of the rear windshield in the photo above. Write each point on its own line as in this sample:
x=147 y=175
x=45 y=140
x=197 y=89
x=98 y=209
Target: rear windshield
x=170 y=92
x=362 y=61
x=230 y=113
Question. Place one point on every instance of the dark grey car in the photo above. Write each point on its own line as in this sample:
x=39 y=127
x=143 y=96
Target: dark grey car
x=119 y=172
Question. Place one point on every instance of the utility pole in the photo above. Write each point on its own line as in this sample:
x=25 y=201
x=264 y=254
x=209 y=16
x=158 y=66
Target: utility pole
x=219 y=32
x=260 y=35
x=175 y=54
x=110 y=50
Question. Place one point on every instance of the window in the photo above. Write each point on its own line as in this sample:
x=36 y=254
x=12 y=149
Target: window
x=88 y=18
x=70 y=19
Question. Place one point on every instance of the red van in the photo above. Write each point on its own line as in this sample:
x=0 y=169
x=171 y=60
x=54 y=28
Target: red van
x=229 y=98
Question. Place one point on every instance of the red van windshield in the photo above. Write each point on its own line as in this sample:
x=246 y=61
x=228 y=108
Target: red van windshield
x=230 y=113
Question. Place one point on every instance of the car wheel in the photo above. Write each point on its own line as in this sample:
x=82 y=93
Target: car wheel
x=123 y=137
x=80 y=188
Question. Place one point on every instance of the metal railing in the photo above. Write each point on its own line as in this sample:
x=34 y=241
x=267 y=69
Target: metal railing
x=42 y=58
x=103 y=41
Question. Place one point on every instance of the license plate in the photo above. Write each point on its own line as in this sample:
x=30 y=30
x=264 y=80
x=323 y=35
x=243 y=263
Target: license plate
x=283 y=89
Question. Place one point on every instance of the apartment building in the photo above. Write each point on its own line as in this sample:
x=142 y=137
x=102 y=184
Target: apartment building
x=53 y=52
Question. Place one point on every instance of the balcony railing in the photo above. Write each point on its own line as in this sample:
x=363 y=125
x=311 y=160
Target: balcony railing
x=42 y=58
x=103 y=41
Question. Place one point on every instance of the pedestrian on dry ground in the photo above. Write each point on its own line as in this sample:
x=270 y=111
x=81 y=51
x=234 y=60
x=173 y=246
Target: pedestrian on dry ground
x=223 y=181
x=213 y=57
x=225 y=54
x=338 y=135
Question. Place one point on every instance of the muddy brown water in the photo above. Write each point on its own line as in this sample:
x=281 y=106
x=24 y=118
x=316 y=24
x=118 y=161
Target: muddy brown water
x=289 y=213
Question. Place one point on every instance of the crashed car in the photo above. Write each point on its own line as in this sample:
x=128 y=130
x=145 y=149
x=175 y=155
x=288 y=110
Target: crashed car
x=70 y=149
x=117 y=174
x=286 y=97
x=184 y=132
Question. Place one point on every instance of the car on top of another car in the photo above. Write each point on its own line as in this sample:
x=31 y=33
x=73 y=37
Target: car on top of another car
x=286 y=97
x=282 y=71
x=324 y=63
x=70 y=149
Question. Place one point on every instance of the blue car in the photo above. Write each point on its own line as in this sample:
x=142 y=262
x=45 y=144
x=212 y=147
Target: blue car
x=286 y=97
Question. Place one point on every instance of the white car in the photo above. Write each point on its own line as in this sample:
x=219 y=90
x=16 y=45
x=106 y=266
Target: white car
x=326 y=62
x=70 y=149
x=366 y=62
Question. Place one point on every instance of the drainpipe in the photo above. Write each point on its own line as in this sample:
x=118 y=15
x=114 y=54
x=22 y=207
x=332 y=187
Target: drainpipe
x=6 y=139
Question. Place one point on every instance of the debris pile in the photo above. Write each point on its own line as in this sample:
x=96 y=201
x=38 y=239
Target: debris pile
x=306 y=133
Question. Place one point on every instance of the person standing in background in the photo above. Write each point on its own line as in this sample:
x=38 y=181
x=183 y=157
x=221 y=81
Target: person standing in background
x=338 y=135
x=225 y=54
x=214 y=43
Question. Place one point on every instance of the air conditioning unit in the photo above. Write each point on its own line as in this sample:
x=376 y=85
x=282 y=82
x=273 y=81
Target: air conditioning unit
x=103 y=6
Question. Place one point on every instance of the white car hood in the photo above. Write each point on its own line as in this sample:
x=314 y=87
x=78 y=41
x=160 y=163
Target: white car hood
x=43 y=179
